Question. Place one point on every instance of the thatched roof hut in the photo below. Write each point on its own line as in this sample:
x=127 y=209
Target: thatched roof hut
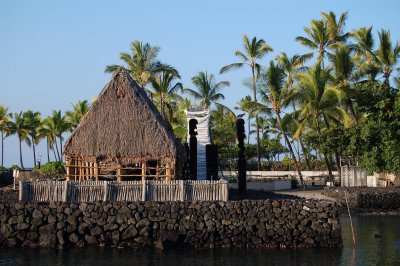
x=125 y=131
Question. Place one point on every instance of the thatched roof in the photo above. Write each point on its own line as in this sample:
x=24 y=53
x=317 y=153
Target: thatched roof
x=123 y=126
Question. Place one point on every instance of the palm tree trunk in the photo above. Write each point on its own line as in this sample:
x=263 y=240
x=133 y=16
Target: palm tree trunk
x=2 y=148
x=328 y=164
x=248 y=136
x=291 y=150
x=61 y=151
x=336 y=153
x=257 y=122
x=351 y=108
x=48 y=149
x=34 y=152
x=55 y=154
x=20 y=152
x=58 y=154
x=303 y=149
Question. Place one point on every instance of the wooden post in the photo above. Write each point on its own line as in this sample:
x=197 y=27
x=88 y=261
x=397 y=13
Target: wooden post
x=66 y=191
x=21 y=190
x=80 y=170
x=96 y=170
x=105 y=191
x=119 y=172
x=157 y=169
x=144 y=171
x=67 y=169
x=168 y=172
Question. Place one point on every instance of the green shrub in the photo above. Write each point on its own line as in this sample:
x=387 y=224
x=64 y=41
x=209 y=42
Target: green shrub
x=3 y=169
x=52 y=167
x=14 y=166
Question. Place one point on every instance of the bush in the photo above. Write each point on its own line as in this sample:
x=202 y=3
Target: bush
x=14 y=167
x=3 y=169
x=52 y=167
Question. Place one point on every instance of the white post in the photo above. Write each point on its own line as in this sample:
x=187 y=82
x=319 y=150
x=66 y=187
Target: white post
x=182 y=185
x=65 y=198
x=144 y=183
x=105 y=190
x=20 y=191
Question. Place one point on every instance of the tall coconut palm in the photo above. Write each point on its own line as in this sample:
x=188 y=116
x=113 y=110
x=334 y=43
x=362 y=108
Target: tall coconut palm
x=5 y=117
x=164 y=89
x=317 y=39
x=254 y=50
x=62 y=126
x=32 y=120
x=335 y=28
x=21 y=128
x=75 y=116
x=343 y=66
x=48 y=130
x=320 y=101
x=364 y=53
x=386 y=57
x=246 y=105
x=292 y=65
x=278 y=96
x=178 y=119
x=207 y=90
x=142 y=63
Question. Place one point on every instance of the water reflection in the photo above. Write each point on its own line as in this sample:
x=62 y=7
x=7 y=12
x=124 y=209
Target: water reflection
x=378 y=243
x=377 y=240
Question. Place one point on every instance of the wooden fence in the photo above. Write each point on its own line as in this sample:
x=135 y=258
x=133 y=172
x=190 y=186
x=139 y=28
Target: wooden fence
x=149 y=190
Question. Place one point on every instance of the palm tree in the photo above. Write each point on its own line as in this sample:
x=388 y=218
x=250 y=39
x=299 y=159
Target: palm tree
x=317 y=39
x=292 y=65
x=61 y=126
x=142 y=63
x=320 y=101
x=21 y=128
x=164 y=89
x=75 y=116
x=364 y=53
x=343 y=69
x=386 y=57
x=278 y=96
x=246 y=105
x=178 y=119
x=207 y=90
x=324 y=34
x=32 y=120
x=48 y=130
x=5 y=117
x=253 y=50
x=335 y=27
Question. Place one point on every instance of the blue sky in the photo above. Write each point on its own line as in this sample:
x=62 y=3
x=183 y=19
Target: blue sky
x=53 y=53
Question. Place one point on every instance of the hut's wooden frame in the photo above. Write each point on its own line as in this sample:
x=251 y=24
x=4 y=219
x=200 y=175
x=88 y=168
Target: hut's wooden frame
x=79 y=169
x=123 y=128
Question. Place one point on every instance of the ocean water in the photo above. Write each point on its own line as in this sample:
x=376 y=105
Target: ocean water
x=377 y=243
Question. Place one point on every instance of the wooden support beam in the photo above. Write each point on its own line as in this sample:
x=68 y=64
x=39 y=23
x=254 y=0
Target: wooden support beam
x=67 y=169
x=96 y=170
x=168 y=172
x=119 y=172
x=143 y=171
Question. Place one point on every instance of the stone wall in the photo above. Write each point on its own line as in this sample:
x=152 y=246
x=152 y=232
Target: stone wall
x=160 y=225
x=387 y=199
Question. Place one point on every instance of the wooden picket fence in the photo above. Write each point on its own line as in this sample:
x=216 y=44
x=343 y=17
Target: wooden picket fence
x=149 y=190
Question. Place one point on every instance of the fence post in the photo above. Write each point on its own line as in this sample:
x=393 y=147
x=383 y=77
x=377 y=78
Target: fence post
x=20 y=191
x=65 y=198
x=182 y=185
x=105 y=190
x=144 y=183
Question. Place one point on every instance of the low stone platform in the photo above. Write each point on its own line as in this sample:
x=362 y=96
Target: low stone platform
x=250 y=224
